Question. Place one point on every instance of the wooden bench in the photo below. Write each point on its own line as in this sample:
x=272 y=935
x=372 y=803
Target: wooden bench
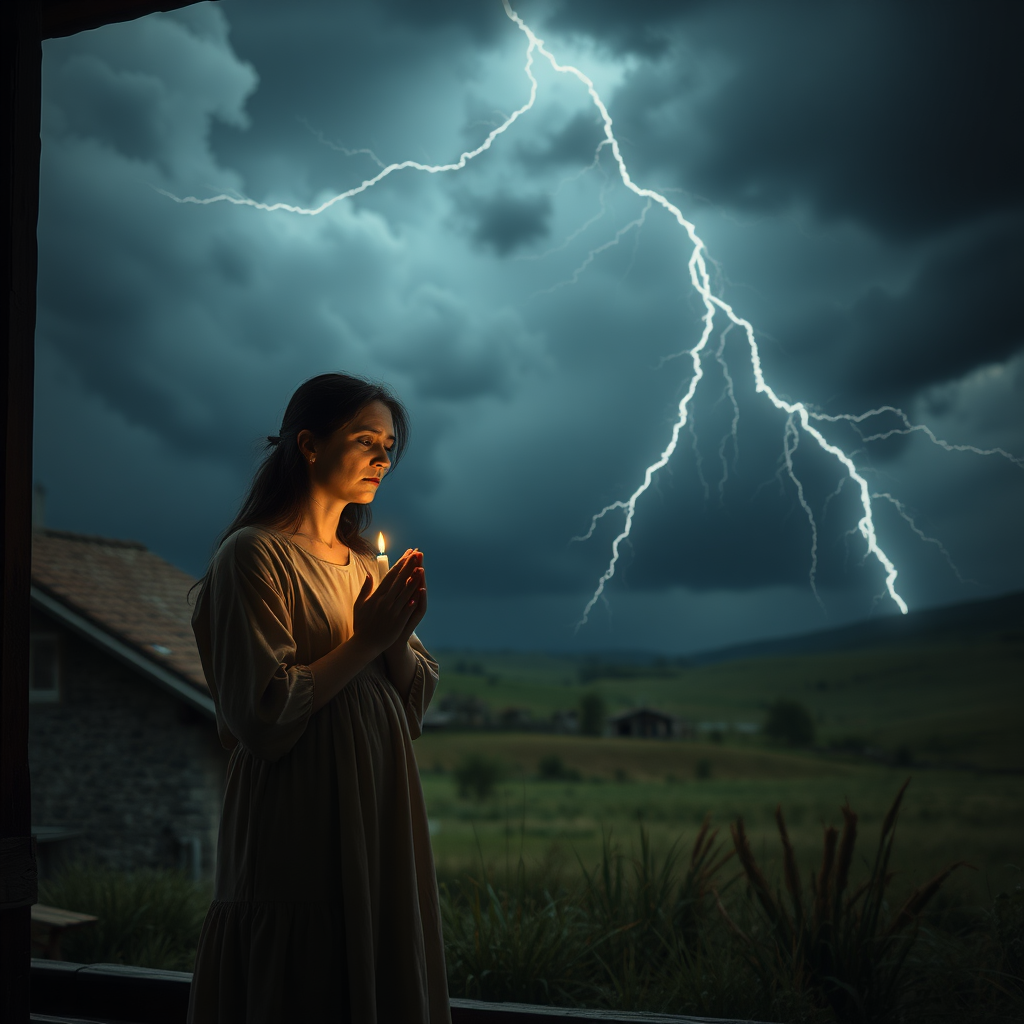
x=49 y=924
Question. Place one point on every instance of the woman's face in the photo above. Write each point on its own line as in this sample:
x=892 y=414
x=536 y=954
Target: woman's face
x=351 y=463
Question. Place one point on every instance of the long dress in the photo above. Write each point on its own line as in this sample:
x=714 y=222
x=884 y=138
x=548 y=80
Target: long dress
x=325 y=904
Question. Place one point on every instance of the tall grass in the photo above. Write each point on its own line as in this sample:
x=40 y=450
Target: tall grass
x=679 y=935
x=512 y=943
x=145 y=918
x=653 y=916
x=636 y=932
x=700 y=930
x=845 y=951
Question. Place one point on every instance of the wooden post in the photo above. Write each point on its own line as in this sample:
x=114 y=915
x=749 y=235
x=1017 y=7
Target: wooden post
x=19 y=204
x=24 y=26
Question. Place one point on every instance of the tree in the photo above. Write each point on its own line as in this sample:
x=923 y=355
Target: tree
x=476 y=776
x=592 y=714
x=551 y=768
x=790 y=722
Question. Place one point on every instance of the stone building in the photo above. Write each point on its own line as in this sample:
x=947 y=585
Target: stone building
x=126 y=766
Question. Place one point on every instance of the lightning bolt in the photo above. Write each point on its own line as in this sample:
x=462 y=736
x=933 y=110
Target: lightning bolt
x=799 y=416
x=901 y=508
x=906 y=427
x=595 y=164
x=633 y=225
x=384 y=172
x=730 y=393
x=337 y=147
x=698 y=460
x=790 y=440
x=829 y=498
x=701 y=283
x=572 y=236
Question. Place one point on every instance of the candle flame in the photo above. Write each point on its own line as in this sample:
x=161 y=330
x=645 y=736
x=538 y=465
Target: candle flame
x=380 y=543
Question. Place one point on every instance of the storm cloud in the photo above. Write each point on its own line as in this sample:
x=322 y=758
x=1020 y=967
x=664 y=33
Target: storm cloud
x=850 y=167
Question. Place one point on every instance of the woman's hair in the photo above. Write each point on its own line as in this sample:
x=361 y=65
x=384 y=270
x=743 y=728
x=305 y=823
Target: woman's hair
x=280 y=487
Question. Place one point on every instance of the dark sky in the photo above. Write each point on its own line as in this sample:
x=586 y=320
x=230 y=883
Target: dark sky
x=853 y=169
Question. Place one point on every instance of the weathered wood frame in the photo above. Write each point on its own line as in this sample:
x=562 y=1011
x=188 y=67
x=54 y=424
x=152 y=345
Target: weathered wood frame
x=26 y=24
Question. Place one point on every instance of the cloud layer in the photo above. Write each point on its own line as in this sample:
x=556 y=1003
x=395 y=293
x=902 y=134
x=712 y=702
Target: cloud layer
x=848 y=166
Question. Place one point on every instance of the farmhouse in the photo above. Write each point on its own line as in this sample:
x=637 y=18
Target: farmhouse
x=125 y=762
x=644 y=722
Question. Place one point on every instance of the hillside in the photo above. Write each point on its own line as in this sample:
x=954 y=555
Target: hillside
x=941 y=688
x=970 y=619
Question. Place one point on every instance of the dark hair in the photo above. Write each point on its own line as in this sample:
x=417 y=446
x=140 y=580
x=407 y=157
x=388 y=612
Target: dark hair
x=280 y=485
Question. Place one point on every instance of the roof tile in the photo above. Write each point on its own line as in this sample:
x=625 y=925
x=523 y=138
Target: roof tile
x=125 y=589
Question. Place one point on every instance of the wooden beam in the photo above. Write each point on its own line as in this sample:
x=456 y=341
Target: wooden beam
x=66 y=17
x=19 y=206
x=26 y=23
x=147 y=996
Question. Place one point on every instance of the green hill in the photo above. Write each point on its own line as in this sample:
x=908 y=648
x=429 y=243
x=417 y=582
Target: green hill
x=948 y=692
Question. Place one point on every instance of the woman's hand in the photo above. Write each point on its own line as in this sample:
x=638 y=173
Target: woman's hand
x=400 y=657
x=381 y=617
x=420 y=607
x=382 y=622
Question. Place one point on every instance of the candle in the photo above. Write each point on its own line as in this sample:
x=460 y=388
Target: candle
x=382 y=559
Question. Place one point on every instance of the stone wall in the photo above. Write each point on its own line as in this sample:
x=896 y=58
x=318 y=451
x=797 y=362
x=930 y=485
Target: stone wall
x=135 y=769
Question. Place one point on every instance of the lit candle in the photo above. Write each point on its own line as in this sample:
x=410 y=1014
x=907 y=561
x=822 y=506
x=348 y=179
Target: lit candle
x=382 y=559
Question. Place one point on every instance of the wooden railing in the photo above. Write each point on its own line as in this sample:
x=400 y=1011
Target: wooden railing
x=111 y=992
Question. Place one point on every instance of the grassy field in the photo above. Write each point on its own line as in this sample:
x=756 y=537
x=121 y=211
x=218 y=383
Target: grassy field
x=959 y=703
x=946 y=816
x=956 y=710
x=642 y=932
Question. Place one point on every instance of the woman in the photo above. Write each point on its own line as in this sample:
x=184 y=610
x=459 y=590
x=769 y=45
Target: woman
x=325 y=906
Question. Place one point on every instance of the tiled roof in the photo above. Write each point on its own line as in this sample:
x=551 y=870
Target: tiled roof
x=124 y=589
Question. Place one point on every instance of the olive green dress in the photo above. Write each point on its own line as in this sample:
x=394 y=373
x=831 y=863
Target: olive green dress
x=325 y=906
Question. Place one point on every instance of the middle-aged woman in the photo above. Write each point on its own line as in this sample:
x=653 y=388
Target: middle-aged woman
x=325 y=906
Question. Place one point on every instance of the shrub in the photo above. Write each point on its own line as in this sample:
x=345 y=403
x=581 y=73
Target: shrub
x=790 y=722
x=592 y=714
x=848 y=744
x=477 y=775
x=551 y=768
x=146 y=918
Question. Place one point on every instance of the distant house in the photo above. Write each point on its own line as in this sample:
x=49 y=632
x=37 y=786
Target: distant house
x=645 y=723
x=126 y=765
x=566 y=721
x=457 y=711
x=515 y=718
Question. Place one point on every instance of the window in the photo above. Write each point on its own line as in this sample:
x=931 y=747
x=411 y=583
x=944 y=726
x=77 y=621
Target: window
x=44 y=668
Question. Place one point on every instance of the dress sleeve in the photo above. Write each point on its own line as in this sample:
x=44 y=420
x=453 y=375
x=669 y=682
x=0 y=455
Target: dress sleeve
x=264 y=697
x=424 y=683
